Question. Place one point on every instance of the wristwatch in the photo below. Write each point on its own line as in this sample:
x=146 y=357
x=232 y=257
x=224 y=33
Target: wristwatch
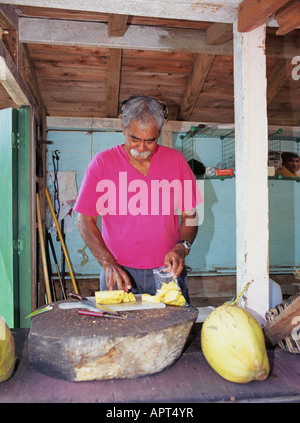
x=187 y=245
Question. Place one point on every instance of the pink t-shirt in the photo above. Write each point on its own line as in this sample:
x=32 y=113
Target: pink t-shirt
x=140 y=217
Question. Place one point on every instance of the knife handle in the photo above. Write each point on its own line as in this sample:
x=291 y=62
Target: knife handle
x=91 y=313
x=76 y=296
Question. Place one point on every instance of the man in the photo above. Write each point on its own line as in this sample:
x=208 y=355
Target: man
x=290 y=164
x=138 y=188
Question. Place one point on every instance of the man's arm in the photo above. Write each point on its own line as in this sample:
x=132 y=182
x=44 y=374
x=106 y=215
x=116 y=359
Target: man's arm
x=90 y=233
x=175 y=259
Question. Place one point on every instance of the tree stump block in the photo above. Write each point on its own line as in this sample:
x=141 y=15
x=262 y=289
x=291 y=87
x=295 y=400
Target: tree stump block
x=74 y=347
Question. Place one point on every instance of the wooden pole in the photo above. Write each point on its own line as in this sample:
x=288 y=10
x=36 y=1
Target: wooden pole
x=43 y=251
x=251 y=150
x=62 y=242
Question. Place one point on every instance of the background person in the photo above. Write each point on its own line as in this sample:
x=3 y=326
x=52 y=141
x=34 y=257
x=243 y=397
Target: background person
x=290 y=164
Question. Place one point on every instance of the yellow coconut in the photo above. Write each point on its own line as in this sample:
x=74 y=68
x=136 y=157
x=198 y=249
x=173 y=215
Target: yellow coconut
x=7 y=351
x=233 y=343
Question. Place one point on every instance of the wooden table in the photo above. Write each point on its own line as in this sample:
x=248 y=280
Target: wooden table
x=189 y=380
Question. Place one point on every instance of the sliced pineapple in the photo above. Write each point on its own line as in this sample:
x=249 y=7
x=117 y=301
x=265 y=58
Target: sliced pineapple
x=171 y=296
x=114 y=297
x=109 y=297
x=150 y=298
x=128 y=297
x=170 y=293
x=131 y=297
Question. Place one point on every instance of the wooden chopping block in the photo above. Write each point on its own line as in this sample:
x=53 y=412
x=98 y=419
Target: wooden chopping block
x=69 y=346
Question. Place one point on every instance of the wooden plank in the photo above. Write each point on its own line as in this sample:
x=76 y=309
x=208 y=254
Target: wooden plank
x=190 y=380
x=168 y=64
x=284 y=324
x=72 y=74
x=113 y=82
x=64 y=60
x=200 y=71
x=74 y=97
x=253 y=13
x=79 y=109
x=65 y=86
x=219 y=33
x=68 y=50
x=251 y=149
x=289 y=18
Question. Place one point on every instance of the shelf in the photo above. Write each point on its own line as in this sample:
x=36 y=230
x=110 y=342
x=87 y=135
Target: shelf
x=276 y=178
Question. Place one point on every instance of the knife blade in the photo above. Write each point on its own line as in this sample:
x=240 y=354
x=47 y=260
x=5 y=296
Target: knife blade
x=92 y=306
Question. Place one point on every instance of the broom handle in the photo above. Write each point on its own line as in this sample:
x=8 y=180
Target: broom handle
x=62 y=242
x=43 y=251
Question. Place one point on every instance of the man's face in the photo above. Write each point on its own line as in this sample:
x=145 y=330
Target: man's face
x=292 y=164
x=141 y=140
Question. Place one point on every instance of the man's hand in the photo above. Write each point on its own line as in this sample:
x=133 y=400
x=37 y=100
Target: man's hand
x=174 y=260
x=114 y=274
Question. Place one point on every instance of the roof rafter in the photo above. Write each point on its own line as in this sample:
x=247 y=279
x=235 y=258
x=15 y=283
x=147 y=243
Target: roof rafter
x=194 y=86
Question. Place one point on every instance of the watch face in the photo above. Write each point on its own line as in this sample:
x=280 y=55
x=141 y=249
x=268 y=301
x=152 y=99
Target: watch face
x=186 y=244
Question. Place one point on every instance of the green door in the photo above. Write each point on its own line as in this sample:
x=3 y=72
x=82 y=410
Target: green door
x=15 y=212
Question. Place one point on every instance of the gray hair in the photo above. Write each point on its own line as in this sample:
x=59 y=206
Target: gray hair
x=143 y=109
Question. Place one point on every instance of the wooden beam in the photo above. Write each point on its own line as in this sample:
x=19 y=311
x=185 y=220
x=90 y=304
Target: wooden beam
x=12 y=81
x=116 y=124
x=251 y=149
x=253 y=13
x=138 y=37
x=117 y=25
x=94 y=34
x=9 y=18
x=211 y=11
x=219 y=33
x=30 y=78
x=113 y=82
x=9 y=25
x=195 y=83
x=280 y=73
x=288 y=18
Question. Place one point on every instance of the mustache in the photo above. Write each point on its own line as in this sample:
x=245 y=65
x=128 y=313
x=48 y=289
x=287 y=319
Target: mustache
x=142 y=155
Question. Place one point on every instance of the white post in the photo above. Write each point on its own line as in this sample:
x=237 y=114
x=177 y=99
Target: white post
x=251 y=149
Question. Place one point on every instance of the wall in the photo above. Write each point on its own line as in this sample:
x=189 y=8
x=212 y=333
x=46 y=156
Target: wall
x=214 y=247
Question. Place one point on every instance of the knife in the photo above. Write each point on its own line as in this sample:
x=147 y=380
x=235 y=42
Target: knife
x=100 y=314
x=92 y=306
